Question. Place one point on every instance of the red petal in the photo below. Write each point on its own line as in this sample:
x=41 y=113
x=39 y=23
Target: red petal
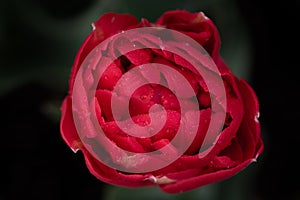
x=198 y=181
x=141 y=100
x=235 y=109
x=107 y=25
x=222 y=162
x=104 y=98
x=112 y=176
x=234 y=151
x=112 y=23
x=110 y=77
x=139 y=57
x=182 y=175
x=249 y=134
x=177 y=16
x=179 y=20
x=67 y=126
x=170 y=128
x=194 y=148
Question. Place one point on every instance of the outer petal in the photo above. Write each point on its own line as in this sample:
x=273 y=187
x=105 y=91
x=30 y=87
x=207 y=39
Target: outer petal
x=195 y=25
x=198 y=181
x=112 y=176
x=107 y=25
x=249 y=132
x=67 y=126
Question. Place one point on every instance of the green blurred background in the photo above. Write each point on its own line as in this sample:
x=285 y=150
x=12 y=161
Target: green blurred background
x=39 y=40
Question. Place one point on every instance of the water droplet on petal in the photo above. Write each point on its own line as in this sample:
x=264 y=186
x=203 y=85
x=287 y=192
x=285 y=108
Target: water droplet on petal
x=143 y=97
x=93 y=26
x=256 y=117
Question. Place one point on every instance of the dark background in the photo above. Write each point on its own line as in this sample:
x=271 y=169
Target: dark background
x=39 y=40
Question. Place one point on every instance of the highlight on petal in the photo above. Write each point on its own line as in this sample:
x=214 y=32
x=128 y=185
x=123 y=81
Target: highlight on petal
x=160 y=180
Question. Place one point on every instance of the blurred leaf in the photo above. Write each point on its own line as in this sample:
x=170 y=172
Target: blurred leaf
x=52 y=110
x=150 y=193
x=150 y=10
x=118 y=193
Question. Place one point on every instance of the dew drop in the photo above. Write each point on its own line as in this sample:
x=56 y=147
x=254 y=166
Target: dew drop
x=143 y=97
x=256 y=117
x=93 y=26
